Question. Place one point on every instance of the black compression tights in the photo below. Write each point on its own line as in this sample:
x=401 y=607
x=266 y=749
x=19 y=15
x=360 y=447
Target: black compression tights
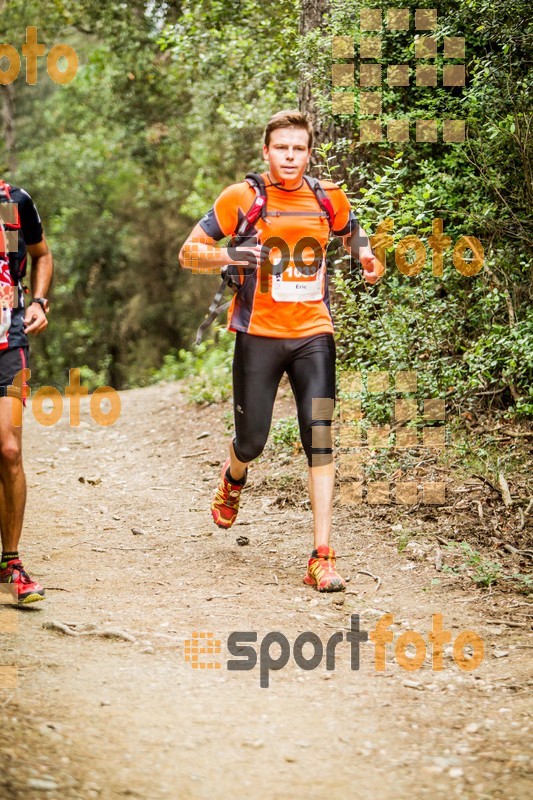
x=258 y=366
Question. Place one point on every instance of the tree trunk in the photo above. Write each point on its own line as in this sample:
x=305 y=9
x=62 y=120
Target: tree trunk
x=8 y=115
x=313 y=15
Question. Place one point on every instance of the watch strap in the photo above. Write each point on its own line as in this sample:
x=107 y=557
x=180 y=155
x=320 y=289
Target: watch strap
x=42 y=301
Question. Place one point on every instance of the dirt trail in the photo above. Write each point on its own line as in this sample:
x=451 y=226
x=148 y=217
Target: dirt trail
x=105 y=718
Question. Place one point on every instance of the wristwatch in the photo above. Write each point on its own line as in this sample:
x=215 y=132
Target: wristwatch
x=42 y=301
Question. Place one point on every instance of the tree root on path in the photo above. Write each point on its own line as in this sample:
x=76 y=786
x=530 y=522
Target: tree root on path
x=88 y=629
x=370 y=575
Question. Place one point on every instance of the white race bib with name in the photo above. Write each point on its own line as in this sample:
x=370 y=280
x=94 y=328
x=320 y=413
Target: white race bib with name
x=294 y=287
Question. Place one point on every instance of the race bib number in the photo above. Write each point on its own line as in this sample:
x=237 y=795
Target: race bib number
x=293 y=286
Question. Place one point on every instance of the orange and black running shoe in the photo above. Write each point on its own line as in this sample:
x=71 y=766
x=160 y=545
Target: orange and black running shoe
x=24 y=589
x=225 y=505
x=321 y=571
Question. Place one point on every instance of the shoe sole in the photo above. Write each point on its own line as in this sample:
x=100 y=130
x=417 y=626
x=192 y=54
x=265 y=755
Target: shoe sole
x=34 y=597
x=221 y=524
x=333 y=587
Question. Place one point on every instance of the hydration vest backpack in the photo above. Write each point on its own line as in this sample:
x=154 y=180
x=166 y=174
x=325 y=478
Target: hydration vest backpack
x=12 y=259
x=256 y=211
x=10 y=218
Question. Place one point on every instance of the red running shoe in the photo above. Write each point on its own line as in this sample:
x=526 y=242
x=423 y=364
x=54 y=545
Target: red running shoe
x=225 y=505
x=25 y=590
x=321 y=571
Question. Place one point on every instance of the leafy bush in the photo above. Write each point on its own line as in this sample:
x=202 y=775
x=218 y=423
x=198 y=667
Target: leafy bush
x=208 y=366
x=285 y=435
x=470 y=336
x=479 y=569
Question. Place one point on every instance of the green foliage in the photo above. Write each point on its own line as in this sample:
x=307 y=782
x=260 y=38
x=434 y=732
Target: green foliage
x=207 y=368
x=502 y=357
x=522 y=581
x=91 y=379
x=285 y=434
x=481 y=570
x=234 y=61
x=167 y=107
x=469 y=337
x=404 y=537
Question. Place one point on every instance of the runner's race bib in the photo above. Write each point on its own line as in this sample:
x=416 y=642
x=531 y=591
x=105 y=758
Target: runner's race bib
x=293 y=286
x=304 y=278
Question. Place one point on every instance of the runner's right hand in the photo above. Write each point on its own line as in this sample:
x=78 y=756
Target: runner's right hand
x=246 y=255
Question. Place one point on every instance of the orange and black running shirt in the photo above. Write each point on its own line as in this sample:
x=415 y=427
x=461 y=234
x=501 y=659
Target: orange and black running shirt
x=295 y=304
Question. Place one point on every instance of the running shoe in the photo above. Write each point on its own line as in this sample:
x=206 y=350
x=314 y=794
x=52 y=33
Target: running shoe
x=26 y=590
x=321 y=571
x=225 y=505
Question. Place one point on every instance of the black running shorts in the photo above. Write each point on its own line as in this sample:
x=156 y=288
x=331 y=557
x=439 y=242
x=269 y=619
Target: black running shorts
x=12 y=361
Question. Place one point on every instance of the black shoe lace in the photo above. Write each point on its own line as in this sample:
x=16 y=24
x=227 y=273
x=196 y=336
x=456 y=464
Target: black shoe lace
x=24 y=575
x=22 y=572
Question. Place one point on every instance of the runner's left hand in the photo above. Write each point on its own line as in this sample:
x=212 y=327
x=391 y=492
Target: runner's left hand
x=35 y=319
x=373 y=269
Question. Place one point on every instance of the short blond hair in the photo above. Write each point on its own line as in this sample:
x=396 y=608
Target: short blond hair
x=291 y=118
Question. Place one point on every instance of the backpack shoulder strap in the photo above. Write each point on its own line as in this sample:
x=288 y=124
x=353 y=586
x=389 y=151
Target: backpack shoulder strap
x=322 y=198
x=256 y=181
x=216 y=306
x=10 y=219
x=5 y=191
x=258 y=207
x=256 y=210
x=5 y=196
x=10 y=224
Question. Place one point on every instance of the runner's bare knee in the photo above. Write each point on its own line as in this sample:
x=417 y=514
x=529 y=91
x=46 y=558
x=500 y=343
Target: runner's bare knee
x=10 y=453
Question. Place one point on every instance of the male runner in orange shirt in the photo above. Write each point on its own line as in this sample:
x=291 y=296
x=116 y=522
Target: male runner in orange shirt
x=282 y=319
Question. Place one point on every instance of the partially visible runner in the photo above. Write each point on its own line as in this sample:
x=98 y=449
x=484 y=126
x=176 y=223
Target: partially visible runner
x=21 y=233
x=284 y=326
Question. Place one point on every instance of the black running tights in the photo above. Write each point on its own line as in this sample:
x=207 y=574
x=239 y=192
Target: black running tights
x=258 y=366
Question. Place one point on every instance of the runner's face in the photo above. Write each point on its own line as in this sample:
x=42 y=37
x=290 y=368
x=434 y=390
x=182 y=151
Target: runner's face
x=287 y=155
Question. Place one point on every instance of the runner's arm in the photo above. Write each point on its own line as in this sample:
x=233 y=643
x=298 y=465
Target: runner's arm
x=42 y=270
x=201 y=254
x=358 y=245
